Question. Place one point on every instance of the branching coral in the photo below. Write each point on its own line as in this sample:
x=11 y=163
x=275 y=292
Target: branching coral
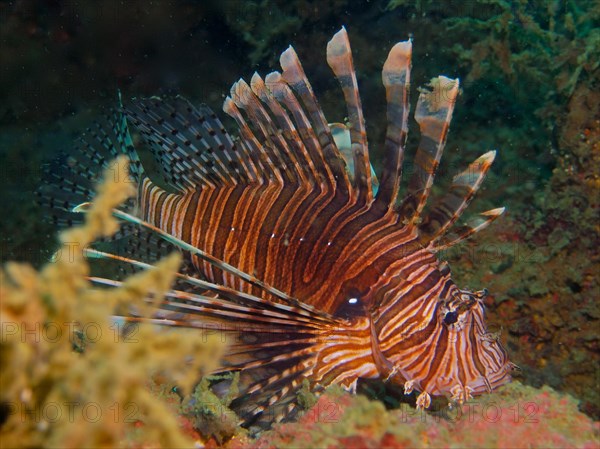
x=53 y=396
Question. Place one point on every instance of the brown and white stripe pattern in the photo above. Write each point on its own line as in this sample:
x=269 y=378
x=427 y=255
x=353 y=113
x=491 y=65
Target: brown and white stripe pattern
x=312 y=271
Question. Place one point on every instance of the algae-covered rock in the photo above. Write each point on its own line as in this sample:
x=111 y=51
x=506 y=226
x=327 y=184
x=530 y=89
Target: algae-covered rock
x=516 y=416
x=210 y=414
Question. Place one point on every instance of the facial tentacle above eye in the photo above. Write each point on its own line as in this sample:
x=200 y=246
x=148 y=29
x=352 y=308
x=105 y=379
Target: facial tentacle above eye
x=454 y=310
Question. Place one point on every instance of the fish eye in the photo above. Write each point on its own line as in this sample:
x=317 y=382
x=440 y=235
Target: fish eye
x=482 y=294
x=351 y=306
x=450 y=318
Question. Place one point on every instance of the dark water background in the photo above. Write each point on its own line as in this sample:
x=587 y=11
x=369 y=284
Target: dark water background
x=529 y=73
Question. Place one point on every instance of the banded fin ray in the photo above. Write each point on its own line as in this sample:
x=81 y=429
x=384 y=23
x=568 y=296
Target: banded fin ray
x=300 y=134
x=396 y=79
x=449 y=208
x=341 y=136
x=250 y=144
x=461 y=233
x=339 y=58
x=283 y=132
x=270 y=345
x=318 y=134
x=274 y=150
x=433 y=114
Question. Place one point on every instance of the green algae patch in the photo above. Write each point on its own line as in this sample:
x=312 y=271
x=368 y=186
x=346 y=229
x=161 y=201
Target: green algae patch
x=306 y=398
x=210 y=414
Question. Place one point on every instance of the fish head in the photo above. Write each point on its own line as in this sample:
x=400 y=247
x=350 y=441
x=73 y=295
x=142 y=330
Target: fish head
x=473 y=358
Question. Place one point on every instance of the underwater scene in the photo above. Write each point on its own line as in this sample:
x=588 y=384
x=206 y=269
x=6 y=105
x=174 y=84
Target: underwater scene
x=300 y=224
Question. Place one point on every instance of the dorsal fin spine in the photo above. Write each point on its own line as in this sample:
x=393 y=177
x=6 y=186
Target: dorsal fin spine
x=339 y=58
x=244 y=98
x=433 y=114
x=287 y=168
x=288 y=140
x=478 y=224
x=328 y=155
x=450 y=207
x=250 y=144
x=396 y=79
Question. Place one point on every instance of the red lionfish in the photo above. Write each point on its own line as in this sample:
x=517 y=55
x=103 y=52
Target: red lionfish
x=293 y=247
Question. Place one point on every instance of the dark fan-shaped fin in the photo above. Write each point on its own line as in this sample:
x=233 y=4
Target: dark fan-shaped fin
x=273 y=389
x=270 y=344
x=190 y=143
x=121 y=130
x=71 y=179
x=269 y=349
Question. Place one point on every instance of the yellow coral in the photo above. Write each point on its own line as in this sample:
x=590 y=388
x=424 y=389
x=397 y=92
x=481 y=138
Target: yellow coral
x=57 y=397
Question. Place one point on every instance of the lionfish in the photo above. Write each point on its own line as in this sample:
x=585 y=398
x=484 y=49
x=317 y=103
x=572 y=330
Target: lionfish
x=294 y=249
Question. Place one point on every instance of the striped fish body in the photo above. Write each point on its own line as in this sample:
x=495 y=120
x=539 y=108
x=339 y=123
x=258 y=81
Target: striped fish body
x=346 y=259
x=316 y=271
x=324 y=248
x=315 y=245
